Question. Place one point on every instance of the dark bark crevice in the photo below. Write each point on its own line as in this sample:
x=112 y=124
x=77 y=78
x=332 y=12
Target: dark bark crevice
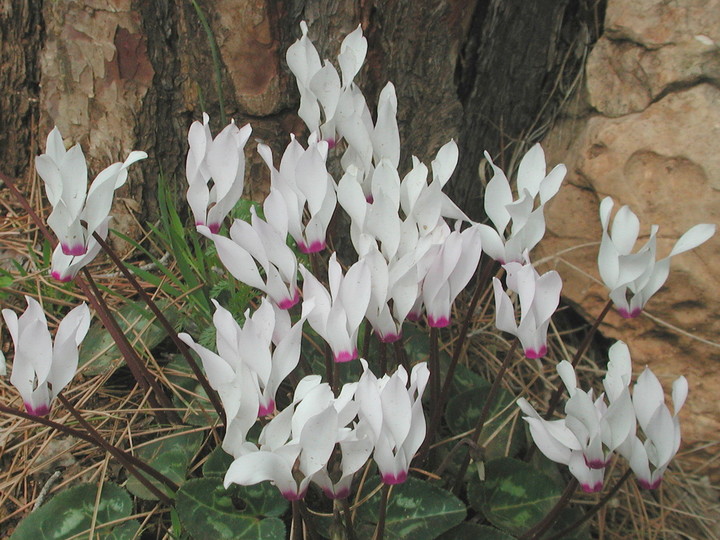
x=22 y=34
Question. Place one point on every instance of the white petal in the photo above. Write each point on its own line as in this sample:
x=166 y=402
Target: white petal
x=693 y=238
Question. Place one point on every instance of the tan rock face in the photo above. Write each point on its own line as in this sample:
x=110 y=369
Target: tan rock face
x=651 y=142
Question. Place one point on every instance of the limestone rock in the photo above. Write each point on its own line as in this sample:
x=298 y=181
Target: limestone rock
x=650 y=141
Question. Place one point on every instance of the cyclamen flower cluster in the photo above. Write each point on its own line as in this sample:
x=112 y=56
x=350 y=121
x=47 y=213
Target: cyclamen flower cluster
x=593 y=429
x=637 y=274
x=416 y=252
x=41 y=368
x=77 y=212
x=383 y=417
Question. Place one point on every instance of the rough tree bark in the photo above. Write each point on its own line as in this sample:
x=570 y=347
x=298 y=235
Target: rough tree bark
x=117 y=75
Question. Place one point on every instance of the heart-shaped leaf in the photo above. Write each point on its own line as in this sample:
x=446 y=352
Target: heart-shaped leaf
x=207 y=511
x=71 y=512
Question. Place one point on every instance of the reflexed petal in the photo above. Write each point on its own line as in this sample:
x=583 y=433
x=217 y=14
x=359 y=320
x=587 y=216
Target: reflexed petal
x=504 y=312
x=551 y=184
x=679 y=393
x=693 y=238
x=352 y=55
x=445 y=162
x=386 y=137
x=531 y=171
x=259 y=466
x=497 y=196
x=70 y=333
x=625 y=229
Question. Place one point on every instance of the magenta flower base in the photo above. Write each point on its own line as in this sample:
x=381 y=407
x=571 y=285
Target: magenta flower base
x=312 y=248
x=40 y=410
x=393 y=479
x=533 y=354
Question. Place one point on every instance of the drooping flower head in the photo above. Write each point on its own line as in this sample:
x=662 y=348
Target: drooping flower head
x=77 y=212
x=295 y=445
x=258 y=245
x=301 y=185
x=41 y=368
x=539 y=297
x=221 y=160
x=634 y=277
x=528 y=223
x=393 y=410
x=661 y=429
x=321 y=87
x=336 y=314
x=251 y=361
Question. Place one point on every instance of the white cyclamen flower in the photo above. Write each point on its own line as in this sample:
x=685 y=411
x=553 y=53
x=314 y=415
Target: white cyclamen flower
x=301 y=184
x=336 y=315
x=265 y=345
x=591 y=430
x=41 y=368
x=319 y=84
x=77 y=212
x=539 y=297
x=294 y=446
x=634 y=277
x=661 y=428
x=528 y=224
x=395 y=416
x=221 y=159
x=259 y=244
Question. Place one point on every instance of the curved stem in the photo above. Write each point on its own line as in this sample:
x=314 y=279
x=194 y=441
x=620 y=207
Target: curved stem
x=349 y=527
x=212 y=395
x=437 y=412
x=382 y=513
x=576 y=358
x=595 y=508
x=494 y=389
x=121 y=456
x=139 y=370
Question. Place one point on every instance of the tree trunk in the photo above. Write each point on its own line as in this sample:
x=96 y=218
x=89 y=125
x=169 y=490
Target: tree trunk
x=118 y=75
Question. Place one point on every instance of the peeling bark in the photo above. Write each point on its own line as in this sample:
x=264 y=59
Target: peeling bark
x=119 y=75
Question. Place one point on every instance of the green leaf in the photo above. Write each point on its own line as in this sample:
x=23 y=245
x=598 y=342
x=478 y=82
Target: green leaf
x=416 y=510
x=514 y=495
x=70 y=513
x=198 y=409
x=217 y=463
x=99 y=351
x=171 y=456
x=207 y=511
x=502 y=433
x=127 y=531
x=473 y=531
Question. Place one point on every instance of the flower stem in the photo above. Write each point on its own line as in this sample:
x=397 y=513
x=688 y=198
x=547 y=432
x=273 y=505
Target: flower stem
x=212 y=395
x=382 y=512
x=595 y=508
x=482 y=281
x=383 y=357
x=349 y=527
x=139 y=370
x=536 y=531
x=578 y=354
x=87 y=438
x=400 y=356
x=296 y=526
x=489 y=402
x=121 y=456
